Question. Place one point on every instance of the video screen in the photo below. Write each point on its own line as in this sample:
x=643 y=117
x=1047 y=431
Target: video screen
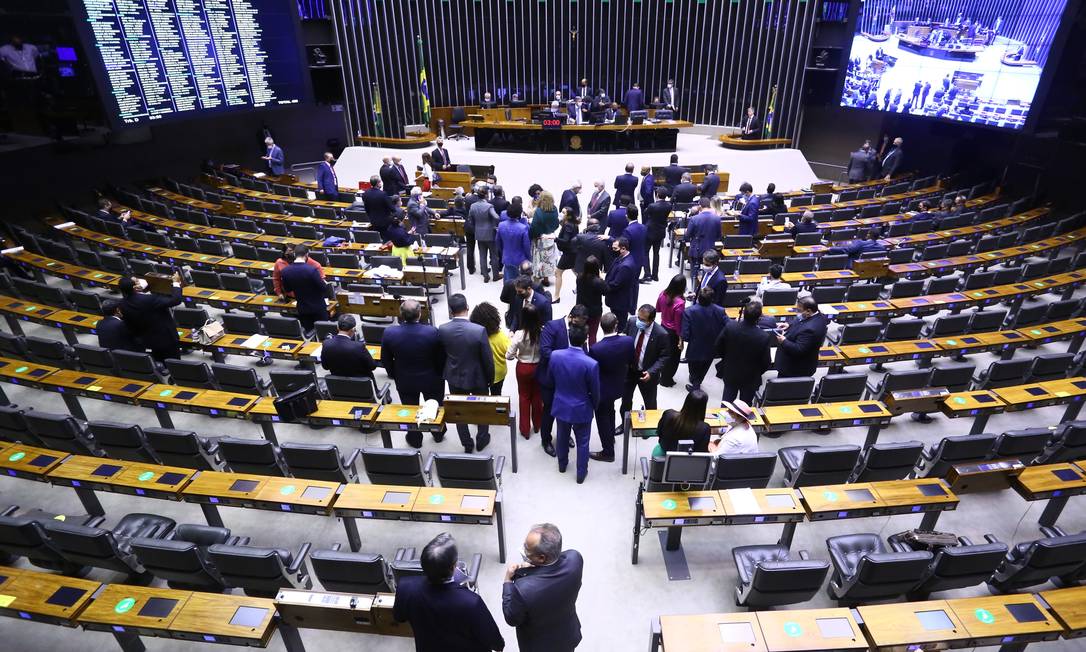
x=973 y=61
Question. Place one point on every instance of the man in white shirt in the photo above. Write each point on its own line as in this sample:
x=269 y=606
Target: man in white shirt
x=772 y=281
x=21 y=58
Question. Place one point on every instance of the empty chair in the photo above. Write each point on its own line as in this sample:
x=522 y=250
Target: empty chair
x=324 y=330
x=864 y=292
x=948 y=325
x=286 y=382
x=769 y=576
x=786 y=391
x=857 y=333
x=283 y=327
x=205 y=279
x=14 y=346
x=345 y=388
x=833 y=261
x=836 y=388
x=1036 y=562
x=138 y=366
x=1006 y=275
x=1026 y=316
x=261 y=572
x=190 y=317
x=1050 y=366
x=49 y=352
x=786 y=297
x=184 y=448
x=1025 y=444
x=979 y=279
x=799 y=264
x=22 y=535
x=394 y=466
x=1002 y=373
x=122 y=441
x=236 y=378
x=954 y=450
x=1067 y=444
x=212 y=247
x=86 y=301
x=864 y=570
x=240 y=324
x=814 y=465
x=738 y=241
x=350 y=572
x=986 y=321
x=954 y=377
x=95 y=359
x=13 y=426
x=828 y=294
x=903 y=328
x=467 y=471
x=808 y=239
x=345 y=261
x=1059 y=310
x=240 y=283
x=906 y=288
x=957 y=567
x=101 y=548
x=257 y=456
x=888 y=461
x=754 y=265
x=61 y=432
x=901 y=255
x=191 y=373
x=182 y=559
x=898 y=381
x=752 y=471
x=934 y=252
x=319 y=462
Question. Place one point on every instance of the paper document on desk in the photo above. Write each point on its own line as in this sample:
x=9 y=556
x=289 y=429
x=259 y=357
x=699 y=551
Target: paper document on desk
x=254 y=341
x=384 y=271
x=427 y=411
x=259 y=175
x=309 y=194
x=743 y=501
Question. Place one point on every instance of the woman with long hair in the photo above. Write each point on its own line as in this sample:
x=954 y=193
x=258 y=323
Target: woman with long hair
x=590 y=290
x=566 y=233
x=541 y=231
x=428 y=171
x=487 y=316
x=524 y=348
x=670 y=305
x=689 y=423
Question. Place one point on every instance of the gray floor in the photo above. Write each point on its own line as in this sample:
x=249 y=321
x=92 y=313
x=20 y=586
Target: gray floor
x=618 y=599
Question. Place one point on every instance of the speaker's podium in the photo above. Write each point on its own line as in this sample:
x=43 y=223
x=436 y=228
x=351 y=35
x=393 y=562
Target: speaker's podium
x=484 y=411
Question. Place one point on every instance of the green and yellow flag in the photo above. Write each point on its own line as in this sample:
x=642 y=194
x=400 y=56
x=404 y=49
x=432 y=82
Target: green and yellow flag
x=424 y=90
x=378 y=118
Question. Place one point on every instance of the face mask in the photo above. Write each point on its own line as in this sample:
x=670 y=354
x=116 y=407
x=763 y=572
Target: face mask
x=643 y=326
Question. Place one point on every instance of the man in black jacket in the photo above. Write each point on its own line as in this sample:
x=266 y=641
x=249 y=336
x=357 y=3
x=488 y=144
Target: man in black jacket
x=381 y=208
x=308 y=288
x=651 y=354
x=673 y=173
x=342 y=355
x=743 y=349
x=539 y=597
x=592 y=242
x=657 y=215
x=798 y=347
x=113 y=333
x=149 y=318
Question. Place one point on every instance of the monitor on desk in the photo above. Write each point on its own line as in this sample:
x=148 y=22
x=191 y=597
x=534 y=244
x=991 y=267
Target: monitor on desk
x=688 y=468
x=639 y=117
x=665 y=114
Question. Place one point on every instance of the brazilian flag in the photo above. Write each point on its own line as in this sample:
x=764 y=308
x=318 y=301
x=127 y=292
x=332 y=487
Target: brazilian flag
x=424 y=89
x=378 y=118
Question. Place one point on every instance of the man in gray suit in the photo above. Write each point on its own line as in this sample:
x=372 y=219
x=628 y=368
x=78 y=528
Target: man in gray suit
x=859 y=164
x=599 y=202
x=539 y=597
x=483 y=220
x=469 y=364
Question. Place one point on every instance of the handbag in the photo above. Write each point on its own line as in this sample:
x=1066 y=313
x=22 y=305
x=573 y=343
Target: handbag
x=921 y=540
x=208 y=333
x=297 y=404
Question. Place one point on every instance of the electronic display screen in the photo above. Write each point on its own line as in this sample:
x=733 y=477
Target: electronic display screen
x=248 y=616
x=131 y=387
x=42 y=460
x=931 y=490
x=158 y=61
x=810 y=412
x=859 y=495
x=185 y=396
x=934 y=620
x=1036 y=391
x=869 y=408
x=170 y=478
x=315 y=493
x=238 y=402
x=737 y=633
x=1067 y=475
x=157 y=607
x=687 y=469
x=65 y=596
x=780 y=500
x=244 y=485
x=84 y=380
x=1026 y=612
x=978 y=62
x=835 y=627
x=396 y=497
x=106 y=470
x=701 y=503
x=474 y=502
x=983 y=398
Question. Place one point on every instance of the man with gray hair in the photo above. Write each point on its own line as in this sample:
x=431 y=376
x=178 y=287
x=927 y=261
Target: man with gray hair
x=483 y=222
x=414 y=359
x=539 y=597
x=274 y=156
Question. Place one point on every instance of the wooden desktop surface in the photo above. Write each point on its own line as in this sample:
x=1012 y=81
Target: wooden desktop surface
x=1049 y=481
x=908 y=494
x=673 y=505
x=370 y=497
x=31 y=590
x=120 y=605
x=834 y=501
x=216 y=484
x=209 y=614
x=988 y=620
x=20 y=460
x=442 y=500
x=703 y=633
x=397 y=414
x=798 y=630
x=1069 y=606
x=896 y=625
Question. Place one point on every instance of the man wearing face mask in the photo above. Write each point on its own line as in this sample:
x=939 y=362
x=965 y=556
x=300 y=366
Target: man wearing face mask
x=798 y=345
x=622 y=281
x=651 y=354
x=149 y=318
x=710 y=276
x=539 y=596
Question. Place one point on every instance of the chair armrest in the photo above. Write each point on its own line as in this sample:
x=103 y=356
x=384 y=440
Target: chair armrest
x=384 y=395
x=898 y=546
x=804 y=555
x=352 y=458
x=499 y=466
x=965 y=541
x=428 y=466
x=644 y=469
x=213 y=447
x=991 y=538
x=1053 y=531
x=473 y=569
x=238 y=541
x=299 y=559
x=9 y=510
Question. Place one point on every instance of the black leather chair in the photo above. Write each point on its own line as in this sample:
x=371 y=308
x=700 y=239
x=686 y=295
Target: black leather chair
x=61 y=432
x=857 y=333
x=467 y=573
x=864 y=570
x=956 y=567
x=362 y=389
x=1067 y=444
x=22 y=535
x=13 y=426
x=1002 y=373
x=806 y=466
x=108 y=549
x=236 y=378
x=95 y=359
x=954 y=450
x=261 y=572
x=1050 y=366
x=897 y=381
x=191 y=373
x=954 y=377
x=138 y=366
x=752 y=470
x=319 y=462
x=257 y=456
x=900 y=329
x=833 y=388
x=785 y=391
x=394 y=466
x=122 y=441
x=770 y=577
x=1024 y=445
x=286 y=382
x=184 y=448
x=466 y=471
x=888 y=461
x=182 y=559
x=1036 y=562
x=351 y=572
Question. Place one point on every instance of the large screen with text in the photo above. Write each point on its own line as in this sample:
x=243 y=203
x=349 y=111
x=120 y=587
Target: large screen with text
x=159 y=60
x=974 y=61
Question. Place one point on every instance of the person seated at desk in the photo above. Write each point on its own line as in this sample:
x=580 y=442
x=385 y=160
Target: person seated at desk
x=124 y=218
x=343 y=355
x=772 y=201
x=517 y=102
x=772 y=281
x=686 y=424
x=857 y=248
x=488 y=102
x=113 y=333
x=806 y=224
x=685 y=191
x=610 y=113
x=739 y=438
x=401 y=240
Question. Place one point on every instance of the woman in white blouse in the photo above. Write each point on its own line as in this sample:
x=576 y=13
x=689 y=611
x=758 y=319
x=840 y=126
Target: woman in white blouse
x=739 y=438
x=524 y=348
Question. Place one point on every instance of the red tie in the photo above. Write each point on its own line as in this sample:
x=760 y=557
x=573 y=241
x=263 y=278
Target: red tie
x=637 y=350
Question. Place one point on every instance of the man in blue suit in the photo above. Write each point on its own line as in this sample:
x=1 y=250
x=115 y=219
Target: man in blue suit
x=113 y=333
x=635 y=98
x=673 y=173
x=637 y=234
x=554 y=337
x=748 y=218
x=514 y=246
x=648 y=186
x=414 y=358
x=711 y=184
x=469 y=364
x=622 y=281
x=710 y=276
x=575 y=398
x=274 y=156
x=570 y=201
x=526 y=295
x=309 y=288
x=702 y=232
x=615 y=355
x=702 y=323
x=616 y=219
x=327 y=181
x=857 y=248
x=626 y=185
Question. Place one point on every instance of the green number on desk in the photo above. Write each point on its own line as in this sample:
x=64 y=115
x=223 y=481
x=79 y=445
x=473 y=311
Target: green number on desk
x=403 y=412
x=959 y=400
x=984 y=616
x=145 y=476
x=125 y=605
x=793 y=629
x=437 y=499
x=165 y=392
x=669 y=504
x=845 y=409
x=20 y=370
x=15 y=457
x=286 y=489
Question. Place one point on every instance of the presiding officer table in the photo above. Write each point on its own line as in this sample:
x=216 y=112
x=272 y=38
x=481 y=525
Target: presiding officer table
x=518 y=136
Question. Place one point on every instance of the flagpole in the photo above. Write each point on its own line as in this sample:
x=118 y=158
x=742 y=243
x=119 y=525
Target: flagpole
x=424 y=87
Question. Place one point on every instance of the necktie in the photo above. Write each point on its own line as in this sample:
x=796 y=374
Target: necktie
x=403 y=175
x=637 y=350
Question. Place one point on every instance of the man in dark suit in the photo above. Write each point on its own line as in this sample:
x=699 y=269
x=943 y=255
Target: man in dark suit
x=575 y=398
x=651 y=354
x=381 y=208
x=414 y=358
x=599 y=202
x=615 y=355
x=327 y=181
x=440 y=155
x=445 y=615
x=702 y=323
x=343 y=355
x=748 y=217
x=673 y=173
x=857 y=248
x=752 y=126
x=858 y=164
x=616 y=219
x=637 y=234
x=710 y=276
x=635 y=98
x=527 y=295
x=469 y=364
x=592 y=242
x=685 y=192
x=310 y=290
x=508 y=294
x=743 y=349
x=148 y=316
x=113 y=333
x=622 y=285
x=390 y=177
x=806 y=224
x=626 y=184
x=539 y=596
x=403 y=181
x=569 y=199
x=892 y=161
x=274 y=157
x=670 y=96
x=657 y=215
x=702 y=232
x=553 y=337
x=711 y=184
x=798 y=346
x=487 y=101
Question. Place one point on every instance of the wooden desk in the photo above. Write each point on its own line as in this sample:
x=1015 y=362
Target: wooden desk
x=22 y=461
x=1005 y=620
x=375 y=501
x=297 y=495
x=831 y=502
x=896 y=627
x=19 y=372
x=403 y=418
x=889 y=351
x=117 y=609
x=1055 y=483
x=643 y=423
x=783 y=418
x=775 y=505
x=484 y=410
x=669 y=508
x=803 y=630
x=222 y=618
x=213 y=488
x=85 y=475
x=979 y=404
x=44 y=597
x=1069 y=608
x=727 y=632
x=1068 y=391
